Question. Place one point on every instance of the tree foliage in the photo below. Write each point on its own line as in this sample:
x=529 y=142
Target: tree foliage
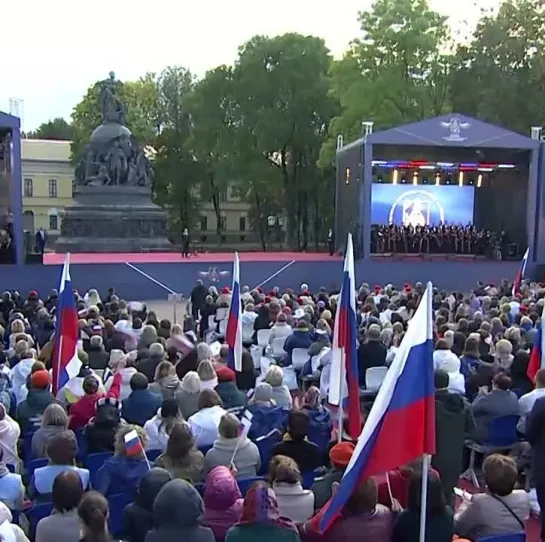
x=56 y=129
x=266 y=127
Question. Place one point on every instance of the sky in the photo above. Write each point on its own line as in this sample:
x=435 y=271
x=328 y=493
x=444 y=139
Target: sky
x=60 y=47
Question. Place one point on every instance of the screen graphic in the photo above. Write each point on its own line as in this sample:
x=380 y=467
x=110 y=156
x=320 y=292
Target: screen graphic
x=421 y=205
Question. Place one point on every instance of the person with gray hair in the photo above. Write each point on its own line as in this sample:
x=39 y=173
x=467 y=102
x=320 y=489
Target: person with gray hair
x=148 y=365
x=188 y=396
x=98 y=357
x=280 y=393
x=233 y=448
x=371 y=352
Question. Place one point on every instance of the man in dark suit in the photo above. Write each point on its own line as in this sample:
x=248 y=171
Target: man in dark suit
x=41 y=239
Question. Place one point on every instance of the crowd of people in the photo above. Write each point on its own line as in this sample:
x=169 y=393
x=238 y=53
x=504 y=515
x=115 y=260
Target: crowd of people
x=201 y=473
x=443 y=239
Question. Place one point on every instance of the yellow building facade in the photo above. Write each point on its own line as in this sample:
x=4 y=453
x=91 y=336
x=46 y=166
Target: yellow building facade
x=47 y=177
x=47 y=181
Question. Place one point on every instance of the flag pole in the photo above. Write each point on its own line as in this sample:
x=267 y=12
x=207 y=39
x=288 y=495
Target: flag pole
x=340 y=411
x=426 y=461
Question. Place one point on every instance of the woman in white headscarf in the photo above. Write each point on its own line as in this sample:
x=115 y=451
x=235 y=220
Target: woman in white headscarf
x=92 y=298
x=445 y=360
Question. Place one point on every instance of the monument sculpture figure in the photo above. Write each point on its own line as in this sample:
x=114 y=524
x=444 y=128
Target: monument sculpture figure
x=112 y=209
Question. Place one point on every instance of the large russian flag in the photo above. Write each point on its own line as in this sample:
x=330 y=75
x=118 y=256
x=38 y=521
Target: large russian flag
x=520 y=274
x=233 y=335
x=401 y=425
x=344 y=381
x=66 y=363
x=536 y=356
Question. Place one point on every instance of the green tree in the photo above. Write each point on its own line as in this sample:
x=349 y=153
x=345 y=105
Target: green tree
x=212 y=108
x=144 y=115
x=56 y=129
x=396 y=72
x=283 y=108
x=177 y=171
x=500 y=74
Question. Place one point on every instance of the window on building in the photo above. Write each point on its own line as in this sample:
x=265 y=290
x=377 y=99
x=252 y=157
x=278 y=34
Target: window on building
x=204 y=223
x=28 y=188
x=53 y=222
x=223 y=223
x=242 y=223
x=52 y=188
x=223 y=195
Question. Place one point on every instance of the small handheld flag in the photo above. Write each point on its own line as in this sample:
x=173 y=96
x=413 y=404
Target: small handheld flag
x=401 y=424
x=536 y=356
x=520 y=274
x=245 y=425
x=233 y=335
x=133 y=446
x=65 y=364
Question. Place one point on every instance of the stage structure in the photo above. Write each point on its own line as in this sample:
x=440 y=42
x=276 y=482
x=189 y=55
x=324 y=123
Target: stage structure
x=452 y=169
x=11 y=197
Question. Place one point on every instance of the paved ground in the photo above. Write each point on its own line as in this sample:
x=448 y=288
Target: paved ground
x=165 y=309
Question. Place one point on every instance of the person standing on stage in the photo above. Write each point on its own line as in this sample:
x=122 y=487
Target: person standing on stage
x=41 y=239
x=331 y=242
x=186 y=242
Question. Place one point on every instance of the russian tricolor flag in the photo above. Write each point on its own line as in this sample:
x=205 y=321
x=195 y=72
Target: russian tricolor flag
x=520 y=274
x=401 y=425
x=66 y=363
x=344 y=381
x=233 y=335
x=132 y=444
x=536 y=356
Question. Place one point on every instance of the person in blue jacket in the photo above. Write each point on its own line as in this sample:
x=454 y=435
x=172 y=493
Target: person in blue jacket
x=122 y=472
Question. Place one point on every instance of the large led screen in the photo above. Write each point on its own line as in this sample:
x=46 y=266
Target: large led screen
x=405 y=204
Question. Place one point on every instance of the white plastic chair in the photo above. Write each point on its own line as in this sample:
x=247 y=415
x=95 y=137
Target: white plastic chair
x=374 y=377
x=223 y=327
x=290 y=378
x=247 y=333
x=211 y=322
x=299 y=356
x=263 y=336
x=277 y=347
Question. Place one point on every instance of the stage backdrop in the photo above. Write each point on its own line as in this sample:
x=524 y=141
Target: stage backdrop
x=420 y=205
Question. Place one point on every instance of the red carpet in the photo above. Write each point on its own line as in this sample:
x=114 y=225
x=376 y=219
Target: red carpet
x=174 y=257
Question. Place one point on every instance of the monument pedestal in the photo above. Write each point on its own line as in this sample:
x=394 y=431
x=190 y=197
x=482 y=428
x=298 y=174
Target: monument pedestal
x=113 y=219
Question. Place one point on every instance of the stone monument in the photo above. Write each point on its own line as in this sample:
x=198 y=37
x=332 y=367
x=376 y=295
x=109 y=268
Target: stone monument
x=112 y=209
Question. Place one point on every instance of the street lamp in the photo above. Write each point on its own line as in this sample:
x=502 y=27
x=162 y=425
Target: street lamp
x=271 y=221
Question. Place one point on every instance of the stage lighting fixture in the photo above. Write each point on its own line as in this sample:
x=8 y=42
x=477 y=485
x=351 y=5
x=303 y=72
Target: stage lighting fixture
x=437 y=179
x=471 y=181
x=479 y=181
x=380 y=179
x=415 y=178
x=448 y=180
x=461 y=178
x=395 y=175
x=424 y=180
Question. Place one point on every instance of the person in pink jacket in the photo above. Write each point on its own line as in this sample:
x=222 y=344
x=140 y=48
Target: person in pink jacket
x=222 y=502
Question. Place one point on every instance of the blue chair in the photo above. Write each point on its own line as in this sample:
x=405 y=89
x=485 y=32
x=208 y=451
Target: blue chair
x=82 y=444
x=11 y=467
x=200 y=489
x=309 y=477
x=265 y=445
x=502 y=436
x=117 y=504
x=35 y=514
x=27 y=446
x=517 y=537
x=35 y=464
x=93 y=462
x=152 y=455
x=244 y=484
x=204 y=449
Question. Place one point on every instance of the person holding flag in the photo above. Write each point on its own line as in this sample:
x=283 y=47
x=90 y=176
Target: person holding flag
x=400 y=427
x=536 y=356
x=519 y=277
x=233 y=335
x=65 y=361
x=344 y=377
